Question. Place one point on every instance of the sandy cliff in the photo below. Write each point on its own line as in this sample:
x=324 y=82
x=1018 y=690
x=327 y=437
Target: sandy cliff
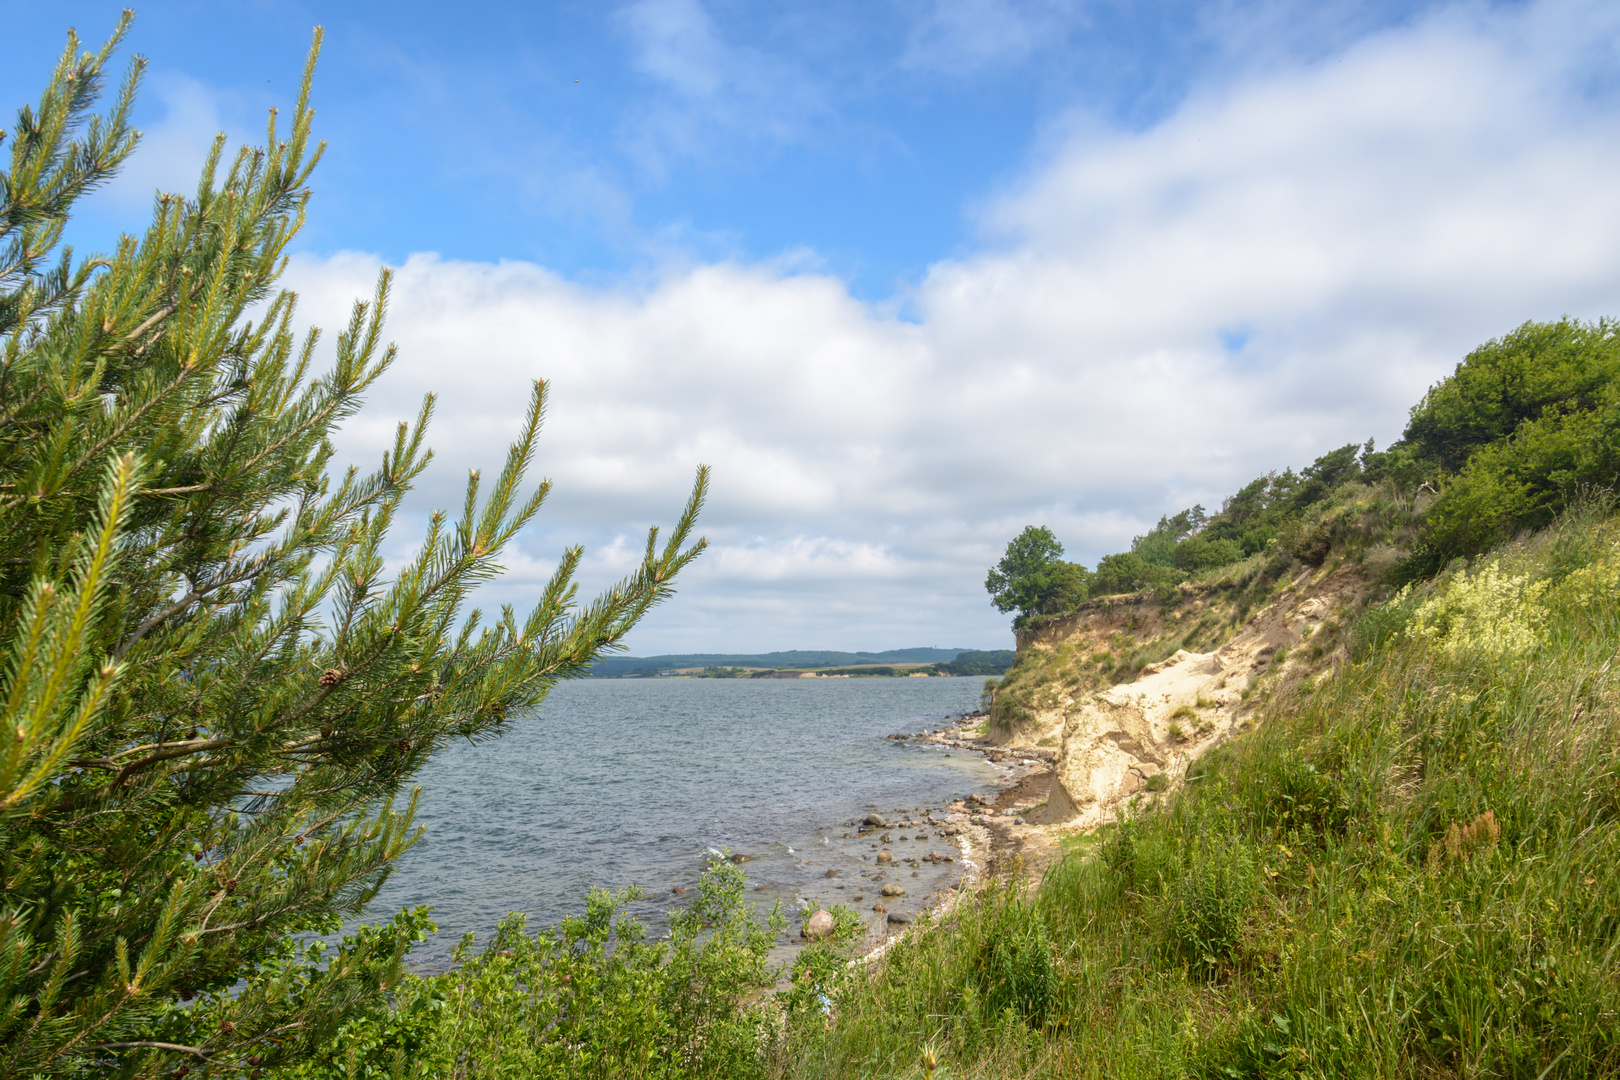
x=1113 y=742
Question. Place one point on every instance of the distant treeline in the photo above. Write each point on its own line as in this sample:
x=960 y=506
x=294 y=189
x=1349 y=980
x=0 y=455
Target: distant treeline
x=991 y=662
x=618 y=667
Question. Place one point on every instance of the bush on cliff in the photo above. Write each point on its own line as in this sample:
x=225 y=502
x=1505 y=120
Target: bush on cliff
x=1539 y=369
x=1526 y=424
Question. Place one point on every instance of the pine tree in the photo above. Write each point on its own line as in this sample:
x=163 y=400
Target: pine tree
x=215 y=694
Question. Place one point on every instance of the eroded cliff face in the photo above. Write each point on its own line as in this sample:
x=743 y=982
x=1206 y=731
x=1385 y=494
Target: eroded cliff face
x=1113 y=741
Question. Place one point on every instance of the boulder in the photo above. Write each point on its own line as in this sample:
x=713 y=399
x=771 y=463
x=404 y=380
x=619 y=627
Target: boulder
x=884 y=857
x=899 y=918
x=818 y=926
x=893 y=890
x=879 y=908
x=874 y=820
x=830 y=873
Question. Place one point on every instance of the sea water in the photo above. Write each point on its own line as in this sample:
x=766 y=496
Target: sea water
x=619 y=782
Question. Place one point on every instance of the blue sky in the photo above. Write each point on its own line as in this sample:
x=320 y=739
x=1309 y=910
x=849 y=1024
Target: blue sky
x=601 y=139
x=909 y=275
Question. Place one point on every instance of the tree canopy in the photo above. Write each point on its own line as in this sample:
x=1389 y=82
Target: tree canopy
x=1033 y=579
x=216 y=686
x=1527 y=424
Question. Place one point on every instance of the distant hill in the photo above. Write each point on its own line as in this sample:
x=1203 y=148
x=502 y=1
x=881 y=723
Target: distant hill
x=616 y=667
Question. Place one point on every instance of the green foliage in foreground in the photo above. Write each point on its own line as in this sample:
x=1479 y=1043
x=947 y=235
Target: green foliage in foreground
x=215 y=689
x=1411 y=868
x=595 y=997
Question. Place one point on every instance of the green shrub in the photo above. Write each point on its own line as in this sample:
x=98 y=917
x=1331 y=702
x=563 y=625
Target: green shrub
x=1010 y=714
x=1525 y=481
x=1014 y=965
x=1290 y=795
x=1209 y=903
x=590 y=997
x=1128 y=572
x=1539 y=369
x=1380 y=625
x=1201 y=553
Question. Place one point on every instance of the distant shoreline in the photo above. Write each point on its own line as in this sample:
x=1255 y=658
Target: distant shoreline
x=897 y=663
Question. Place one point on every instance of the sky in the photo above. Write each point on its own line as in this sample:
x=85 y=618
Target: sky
x=910 y=275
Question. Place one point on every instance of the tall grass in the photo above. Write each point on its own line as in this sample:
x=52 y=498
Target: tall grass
x=1412 y=867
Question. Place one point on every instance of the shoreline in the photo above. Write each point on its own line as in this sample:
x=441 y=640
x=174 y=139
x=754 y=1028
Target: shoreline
x=987 y=833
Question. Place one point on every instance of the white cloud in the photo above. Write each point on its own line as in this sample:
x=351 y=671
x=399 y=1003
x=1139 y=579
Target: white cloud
x=960 y=36
x=1275 y=269
x=678 y=45
x=715 y=92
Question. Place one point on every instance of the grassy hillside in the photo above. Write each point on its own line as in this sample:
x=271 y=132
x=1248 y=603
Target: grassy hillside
x=1411 y=867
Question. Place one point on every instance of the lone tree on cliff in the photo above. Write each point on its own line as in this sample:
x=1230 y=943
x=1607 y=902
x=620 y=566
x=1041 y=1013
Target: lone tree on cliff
x=1032 y=578
x=214 y=695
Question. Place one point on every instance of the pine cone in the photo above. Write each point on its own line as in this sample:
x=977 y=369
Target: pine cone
x=332 y=676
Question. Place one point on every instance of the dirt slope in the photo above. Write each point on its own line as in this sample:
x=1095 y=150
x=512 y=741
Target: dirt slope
x=1112 y=741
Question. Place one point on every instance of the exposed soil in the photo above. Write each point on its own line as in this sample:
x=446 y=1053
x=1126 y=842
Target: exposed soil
x=1017 y=847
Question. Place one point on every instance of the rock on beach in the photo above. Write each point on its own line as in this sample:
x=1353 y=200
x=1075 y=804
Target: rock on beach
x=818 y=926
